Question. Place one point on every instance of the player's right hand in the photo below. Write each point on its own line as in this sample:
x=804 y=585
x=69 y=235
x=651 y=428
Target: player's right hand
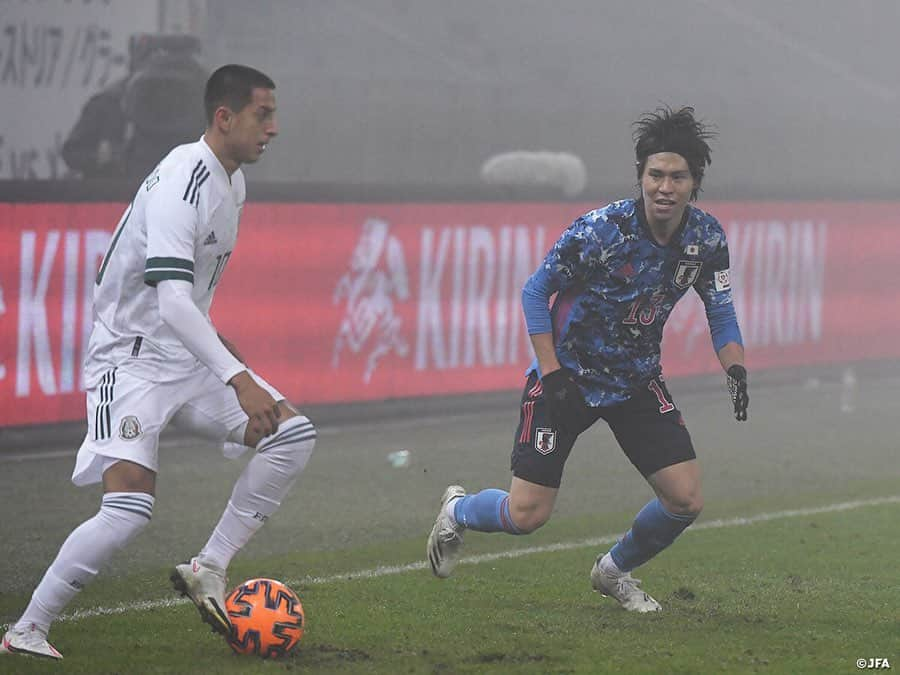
x=259 y=405
x=563 y=396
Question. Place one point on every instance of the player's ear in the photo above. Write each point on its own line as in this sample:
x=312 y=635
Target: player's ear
x=222 y=118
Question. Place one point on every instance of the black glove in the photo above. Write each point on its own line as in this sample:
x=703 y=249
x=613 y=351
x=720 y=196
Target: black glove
x=737 y=387
x=564 y=399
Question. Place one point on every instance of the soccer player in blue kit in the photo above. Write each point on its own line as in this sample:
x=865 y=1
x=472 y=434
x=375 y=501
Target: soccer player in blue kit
x=617 y=272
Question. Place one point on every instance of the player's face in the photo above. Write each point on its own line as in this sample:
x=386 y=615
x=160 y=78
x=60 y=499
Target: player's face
x=666 y=185
x=253 y=127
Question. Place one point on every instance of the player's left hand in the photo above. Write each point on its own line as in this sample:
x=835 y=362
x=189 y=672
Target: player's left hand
x=737 y=387
x=259 y=405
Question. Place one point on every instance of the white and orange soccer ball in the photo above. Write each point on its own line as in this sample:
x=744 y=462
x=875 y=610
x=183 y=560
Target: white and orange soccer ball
x=267 y=618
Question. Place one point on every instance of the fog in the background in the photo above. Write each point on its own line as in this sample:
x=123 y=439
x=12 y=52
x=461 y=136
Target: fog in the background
x=410 y=93
x=804 y=94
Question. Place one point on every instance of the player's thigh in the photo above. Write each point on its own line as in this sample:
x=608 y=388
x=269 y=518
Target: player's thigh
x=651 y=430
x=539 y=451
x=214 y=411
x=120 y=475
x=125 y=416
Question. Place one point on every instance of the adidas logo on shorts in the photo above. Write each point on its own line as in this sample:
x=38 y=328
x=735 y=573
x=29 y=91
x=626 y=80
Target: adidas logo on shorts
x=211 y=239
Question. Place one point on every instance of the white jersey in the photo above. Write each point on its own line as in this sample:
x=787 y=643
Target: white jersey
x=182 y=224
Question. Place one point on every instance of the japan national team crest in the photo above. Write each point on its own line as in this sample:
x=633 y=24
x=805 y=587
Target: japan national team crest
x=544 y=440
x=687 y=272
x=130 y=428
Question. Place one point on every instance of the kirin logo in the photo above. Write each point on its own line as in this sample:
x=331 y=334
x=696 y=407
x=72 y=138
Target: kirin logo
x=376 y=278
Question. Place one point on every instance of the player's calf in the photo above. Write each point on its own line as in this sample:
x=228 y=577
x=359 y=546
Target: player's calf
x=260 y=489
x=90 y=546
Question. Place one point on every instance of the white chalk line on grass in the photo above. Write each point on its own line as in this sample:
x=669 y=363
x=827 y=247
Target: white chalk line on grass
x=489 y=557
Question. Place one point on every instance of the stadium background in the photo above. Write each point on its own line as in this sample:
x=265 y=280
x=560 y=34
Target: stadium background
x=388 y=112
x=402 y=263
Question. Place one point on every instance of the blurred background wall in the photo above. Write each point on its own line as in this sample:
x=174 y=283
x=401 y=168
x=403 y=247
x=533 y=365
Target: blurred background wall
x=803 y=92
x=398 y=92
x=401 y=268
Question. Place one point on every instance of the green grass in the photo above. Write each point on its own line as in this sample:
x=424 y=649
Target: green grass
x=803 y=594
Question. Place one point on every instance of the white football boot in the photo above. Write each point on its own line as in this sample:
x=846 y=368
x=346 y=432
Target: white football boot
x=446 y=538
x=29 y=641
x=608 y=580
x=205 y=586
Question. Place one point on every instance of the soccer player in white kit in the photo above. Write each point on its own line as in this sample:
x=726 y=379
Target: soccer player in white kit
x=154 y=357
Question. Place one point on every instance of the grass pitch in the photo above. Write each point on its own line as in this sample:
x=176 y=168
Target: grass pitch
x=802 y=592
x=796 y=594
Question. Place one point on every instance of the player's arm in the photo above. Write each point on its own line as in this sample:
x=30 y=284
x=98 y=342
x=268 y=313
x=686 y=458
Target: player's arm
x=557 y=382
x=545 y=350
x=731 y=354
x=714 y=288
x=567 y=262
x=171 y=226
x=570 y=259
x=536 y=296
x=230 y=346
x=178 y=310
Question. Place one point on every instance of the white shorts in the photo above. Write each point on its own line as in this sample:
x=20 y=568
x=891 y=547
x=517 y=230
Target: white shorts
x=126 y=415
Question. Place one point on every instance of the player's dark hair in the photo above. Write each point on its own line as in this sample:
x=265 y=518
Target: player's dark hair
x=678 y=131
x=232 y=86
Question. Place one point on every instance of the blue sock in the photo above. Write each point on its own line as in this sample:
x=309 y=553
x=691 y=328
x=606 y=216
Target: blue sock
x=653 y=529
x=487 y=511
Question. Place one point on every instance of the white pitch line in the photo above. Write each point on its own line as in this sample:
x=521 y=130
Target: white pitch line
x=388 y=570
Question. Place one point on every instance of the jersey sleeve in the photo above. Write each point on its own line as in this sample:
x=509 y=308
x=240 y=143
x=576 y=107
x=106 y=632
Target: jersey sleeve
x=195 y=331
x=172 y=222
x=577 y=253
x=573 y=258
x=714 y=288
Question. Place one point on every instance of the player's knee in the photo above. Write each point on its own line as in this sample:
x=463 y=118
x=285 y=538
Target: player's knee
x=684 y=504
x=529 y=517
x=291 y=446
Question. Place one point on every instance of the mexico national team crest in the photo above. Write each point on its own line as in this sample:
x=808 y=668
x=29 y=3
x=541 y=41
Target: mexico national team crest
x=544 y=440
x=687 y=272
x=130 y=428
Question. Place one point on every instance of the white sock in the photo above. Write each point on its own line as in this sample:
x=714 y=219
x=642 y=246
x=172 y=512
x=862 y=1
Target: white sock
x=608 y=565
x=258 y=493
x=90 y=545
x=450 y=510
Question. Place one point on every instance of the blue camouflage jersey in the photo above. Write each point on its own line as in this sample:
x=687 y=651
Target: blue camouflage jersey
x=616 y=287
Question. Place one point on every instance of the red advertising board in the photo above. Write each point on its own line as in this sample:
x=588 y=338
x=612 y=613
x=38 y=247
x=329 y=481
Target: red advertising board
x=354 y=302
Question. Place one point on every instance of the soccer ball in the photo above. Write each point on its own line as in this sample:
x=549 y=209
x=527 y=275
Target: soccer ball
x=266 y=617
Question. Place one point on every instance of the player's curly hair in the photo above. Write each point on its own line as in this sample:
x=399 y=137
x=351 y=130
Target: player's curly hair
x=678 y=131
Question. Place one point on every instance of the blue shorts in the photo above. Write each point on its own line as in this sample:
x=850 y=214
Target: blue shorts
x=648 y=427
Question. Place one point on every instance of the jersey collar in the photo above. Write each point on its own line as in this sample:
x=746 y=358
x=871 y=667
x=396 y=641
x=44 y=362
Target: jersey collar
x=215 y=166
x=644 y=226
